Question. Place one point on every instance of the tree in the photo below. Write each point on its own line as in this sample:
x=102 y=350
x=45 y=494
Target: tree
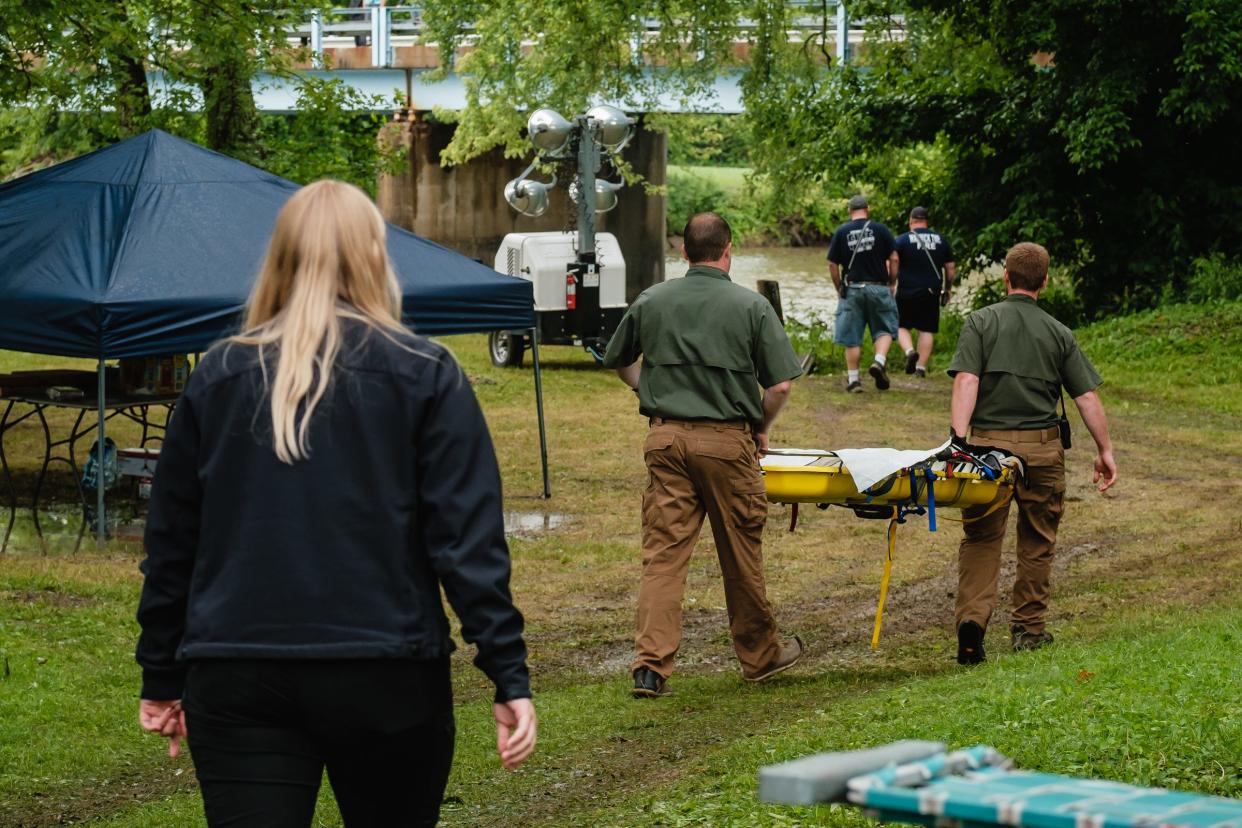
x=515 y=56
x=1104 y=129
x=73 y=77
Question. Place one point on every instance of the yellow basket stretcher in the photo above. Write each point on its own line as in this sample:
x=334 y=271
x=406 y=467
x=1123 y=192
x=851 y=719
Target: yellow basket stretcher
x=797 y=476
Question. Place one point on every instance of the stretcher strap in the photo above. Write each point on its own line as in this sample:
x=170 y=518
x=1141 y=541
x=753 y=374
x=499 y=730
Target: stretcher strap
x=888 y=572
x=931 y=500
x=1003 y=502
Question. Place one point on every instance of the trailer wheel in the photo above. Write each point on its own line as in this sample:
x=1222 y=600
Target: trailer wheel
x=506 y=348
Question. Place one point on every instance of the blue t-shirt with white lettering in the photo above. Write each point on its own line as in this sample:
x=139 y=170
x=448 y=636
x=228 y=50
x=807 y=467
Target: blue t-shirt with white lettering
x=873 y=242
x=917 y=272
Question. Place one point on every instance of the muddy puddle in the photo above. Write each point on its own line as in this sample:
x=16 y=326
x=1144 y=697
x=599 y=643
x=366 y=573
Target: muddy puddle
x=532 y=523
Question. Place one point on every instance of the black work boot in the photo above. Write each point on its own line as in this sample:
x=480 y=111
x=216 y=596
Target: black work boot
x=648 y=684
x=1026 y=640
x=969 y=643
x=880 y=375
x=912 y=361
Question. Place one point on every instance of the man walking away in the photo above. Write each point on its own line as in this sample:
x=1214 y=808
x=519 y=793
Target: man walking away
x=707 y=345
x=1012 y=362
x=862 y=261
x=925 y=273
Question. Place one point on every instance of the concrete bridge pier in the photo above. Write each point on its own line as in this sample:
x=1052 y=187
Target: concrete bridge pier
x=463 y=207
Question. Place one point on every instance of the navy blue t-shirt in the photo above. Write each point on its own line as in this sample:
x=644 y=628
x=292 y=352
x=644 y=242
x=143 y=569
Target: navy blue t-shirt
x=916 y=272
x=874 y=244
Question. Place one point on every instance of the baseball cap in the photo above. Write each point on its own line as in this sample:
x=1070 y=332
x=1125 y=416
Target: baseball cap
x=919 y=214
x=858 y=202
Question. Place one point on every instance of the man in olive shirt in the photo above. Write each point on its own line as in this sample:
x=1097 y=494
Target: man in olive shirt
x=1012 y=362
x=707 y=345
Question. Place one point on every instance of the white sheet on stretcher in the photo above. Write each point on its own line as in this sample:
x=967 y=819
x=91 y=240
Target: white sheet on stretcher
x=871 y=465
x=867 y=466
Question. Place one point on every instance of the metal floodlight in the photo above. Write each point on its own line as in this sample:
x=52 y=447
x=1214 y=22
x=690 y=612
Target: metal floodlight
x=605 y=195
x=549 y=131
x=530 y=198
x=615 y=126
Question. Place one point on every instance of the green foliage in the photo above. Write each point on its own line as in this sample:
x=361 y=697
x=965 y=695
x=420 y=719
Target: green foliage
x=89 y=59
x=814 y=338
x=722 y=190
x=77 y=100
x=333 y=134
x=755 y=209
x=690 y=193
x=567 y=55
x=1188 y=355
x=1215 y=278
x=1060 y=299
x=951 y=323
x=1115 y=152
x=704 y=139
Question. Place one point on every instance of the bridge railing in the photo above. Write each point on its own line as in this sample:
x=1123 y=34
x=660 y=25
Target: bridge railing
x=381 y=27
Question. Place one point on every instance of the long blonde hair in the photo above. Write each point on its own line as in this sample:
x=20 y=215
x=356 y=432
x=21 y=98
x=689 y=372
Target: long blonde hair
x=327 y=259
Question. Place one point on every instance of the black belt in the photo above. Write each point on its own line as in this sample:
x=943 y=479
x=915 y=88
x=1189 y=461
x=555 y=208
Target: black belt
x=738 y=424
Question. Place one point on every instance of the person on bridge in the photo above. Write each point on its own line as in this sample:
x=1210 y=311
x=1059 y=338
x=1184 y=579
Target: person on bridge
x=1012 y=364
x=707 y=346
x=862 y=261
x=326 y=474
x=925 y=274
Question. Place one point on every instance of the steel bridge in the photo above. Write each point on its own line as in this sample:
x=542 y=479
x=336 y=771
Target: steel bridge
x=380 y=50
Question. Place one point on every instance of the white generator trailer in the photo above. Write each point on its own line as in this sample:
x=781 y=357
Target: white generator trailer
x=574 y=305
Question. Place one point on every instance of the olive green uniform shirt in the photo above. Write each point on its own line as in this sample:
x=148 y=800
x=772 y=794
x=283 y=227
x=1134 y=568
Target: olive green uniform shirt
x=1023 y=357
x=707 y=347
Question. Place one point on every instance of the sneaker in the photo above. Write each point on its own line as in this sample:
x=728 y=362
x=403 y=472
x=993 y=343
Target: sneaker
x=648 y=684
x=970 y=643
x=789 y=656
x=912 y=359
x=879 y=375
x=1026 y=640
x=854 y=387
x=921 y=373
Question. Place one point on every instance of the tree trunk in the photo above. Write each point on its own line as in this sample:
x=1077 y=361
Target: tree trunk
x=228 y=101
x=133 y=98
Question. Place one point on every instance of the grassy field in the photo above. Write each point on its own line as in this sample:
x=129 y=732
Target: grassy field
x=732 y=180
x=1142 y=685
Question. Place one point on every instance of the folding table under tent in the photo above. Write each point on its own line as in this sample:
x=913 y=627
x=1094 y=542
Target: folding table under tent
x=151 y=247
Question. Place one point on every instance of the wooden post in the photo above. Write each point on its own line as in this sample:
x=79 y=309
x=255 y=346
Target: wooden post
x=771 y=290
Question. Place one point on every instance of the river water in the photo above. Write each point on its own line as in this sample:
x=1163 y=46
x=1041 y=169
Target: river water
x=807 y=293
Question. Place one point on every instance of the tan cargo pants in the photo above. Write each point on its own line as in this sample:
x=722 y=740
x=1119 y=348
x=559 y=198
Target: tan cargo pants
x=696 y=469
x=1039 y=513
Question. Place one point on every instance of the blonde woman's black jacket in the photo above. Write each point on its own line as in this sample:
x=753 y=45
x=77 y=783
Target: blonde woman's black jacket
x=339 y=556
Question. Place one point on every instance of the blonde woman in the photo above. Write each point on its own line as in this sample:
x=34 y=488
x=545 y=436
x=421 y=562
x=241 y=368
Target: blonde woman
x=325 y=474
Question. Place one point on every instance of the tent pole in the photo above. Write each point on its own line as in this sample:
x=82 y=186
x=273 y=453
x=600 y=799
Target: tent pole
x=100 y=517
x=543 y=432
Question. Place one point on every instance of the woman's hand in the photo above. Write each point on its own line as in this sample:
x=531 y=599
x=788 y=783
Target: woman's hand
x=165 y=718
x=515 y=731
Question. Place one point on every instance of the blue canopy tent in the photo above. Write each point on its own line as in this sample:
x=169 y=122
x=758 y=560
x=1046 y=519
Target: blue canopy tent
x=151 y=246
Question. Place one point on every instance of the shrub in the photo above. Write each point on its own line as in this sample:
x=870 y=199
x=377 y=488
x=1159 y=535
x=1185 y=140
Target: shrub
x=816 y=338
x=1215 y=279
x=690 y=193
x=1060 y=299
